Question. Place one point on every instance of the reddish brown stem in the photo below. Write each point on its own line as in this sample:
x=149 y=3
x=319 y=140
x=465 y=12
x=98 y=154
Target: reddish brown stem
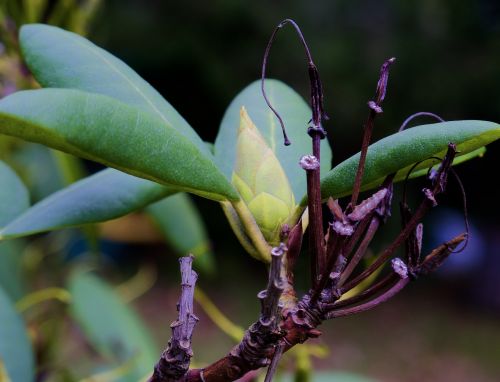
x=368 y=128
x=294 y=246
x=373 y=290
x=316 y=235
x=370 y=304
x=360 y=252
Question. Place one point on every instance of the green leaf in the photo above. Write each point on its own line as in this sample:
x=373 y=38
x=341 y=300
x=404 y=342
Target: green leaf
x=295 y=113
x=62 y=59
x=14 y=198
x=103 y=196
x=112 y=327
x=400 y=151
x=180 y=222
x=31 y=160
x=103 y=129
x=16 y=353
x=12 y=279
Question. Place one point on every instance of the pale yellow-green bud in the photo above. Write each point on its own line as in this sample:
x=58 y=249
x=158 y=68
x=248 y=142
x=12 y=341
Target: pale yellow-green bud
x=261 y=181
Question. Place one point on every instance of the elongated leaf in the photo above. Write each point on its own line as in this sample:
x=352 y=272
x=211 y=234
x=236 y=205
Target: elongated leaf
x=12 y=279
x=112 y=327
x=400 y=151
x=32 y=160
x=62 y=59
x=100 y=128
x=16 y=353
x=295 y=113
x=181 y=224
x=14 y=198
x=103 y=196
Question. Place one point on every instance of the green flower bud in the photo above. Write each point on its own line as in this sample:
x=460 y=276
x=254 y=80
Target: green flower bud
x=261 y=181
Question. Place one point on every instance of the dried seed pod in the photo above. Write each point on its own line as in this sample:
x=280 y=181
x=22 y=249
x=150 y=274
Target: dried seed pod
x=367 y=205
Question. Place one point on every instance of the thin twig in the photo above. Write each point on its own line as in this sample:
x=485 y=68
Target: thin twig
x=316 y=88
x=466 y=214
x=274 y=362
x=360 y=252
x=375 y=108
x=419 y=114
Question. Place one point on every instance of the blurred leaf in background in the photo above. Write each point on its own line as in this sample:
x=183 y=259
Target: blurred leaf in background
x=16 y=354
x=112 y=327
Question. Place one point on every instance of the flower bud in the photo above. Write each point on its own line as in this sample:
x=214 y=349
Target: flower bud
x=261 y=181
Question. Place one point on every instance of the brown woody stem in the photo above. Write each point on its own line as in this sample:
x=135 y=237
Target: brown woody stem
x=310 y=163
x=175 y=360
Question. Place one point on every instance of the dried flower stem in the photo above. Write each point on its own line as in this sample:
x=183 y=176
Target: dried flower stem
x=419 y=114
x=361 y=250
x=375 y=108
x=316 y=235
x=370 y=304
x=316 y=89
x=439 y=184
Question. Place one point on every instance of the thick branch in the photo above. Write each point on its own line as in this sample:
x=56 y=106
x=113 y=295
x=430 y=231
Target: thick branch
x=174 y=362
x=260 y=340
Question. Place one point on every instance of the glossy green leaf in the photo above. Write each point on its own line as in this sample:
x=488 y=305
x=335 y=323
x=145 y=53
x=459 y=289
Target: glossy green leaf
x=16 y=353
x=103 y=129
x=62 y=59
x=12 y=279
x=14 y=198
x=180 y=222
x=400 y=151
x=295 y=113
x=110 y=326
x=103 y=196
